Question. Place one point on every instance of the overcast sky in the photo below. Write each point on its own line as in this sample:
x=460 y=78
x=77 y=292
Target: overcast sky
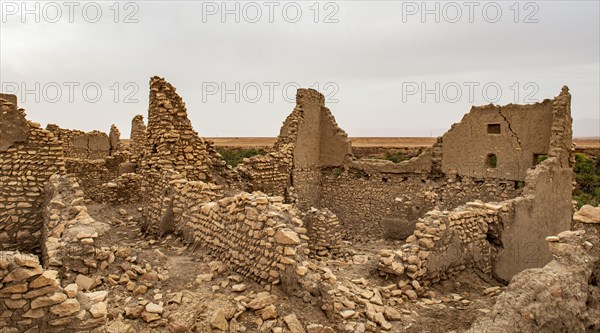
x=386 y=69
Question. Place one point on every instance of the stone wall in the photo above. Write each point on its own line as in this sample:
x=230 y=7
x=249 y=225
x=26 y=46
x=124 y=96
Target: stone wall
x=29 y=155
x=125 y=189
x=446 y=243
x=269 y=173
x=32 y=298
x=79 y=144
x=172 y=145
x=257 y=236
x=324 y=232
x=374 y=204
x=137 y=138
x=95 y=174
x=165 y=208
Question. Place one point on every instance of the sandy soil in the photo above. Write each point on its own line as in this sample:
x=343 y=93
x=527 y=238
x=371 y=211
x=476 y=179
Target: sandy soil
x=244 y=142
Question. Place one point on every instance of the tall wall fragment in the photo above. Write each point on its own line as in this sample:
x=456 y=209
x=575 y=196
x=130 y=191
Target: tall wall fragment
x=137 y=142
x=545 y=208
x=29 y=155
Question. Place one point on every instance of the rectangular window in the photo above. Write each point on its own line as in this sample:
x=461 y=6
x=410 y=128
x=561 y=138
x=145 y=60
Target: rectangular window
x=494 y=128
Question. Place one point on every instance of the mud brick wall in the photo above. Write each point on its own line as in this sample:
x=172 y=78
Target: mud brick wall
x=33 y=300
x=29 y=155
x=545 y=208
x=256 y=235
x=520 y=132
x=446 y=243
x=324 y=232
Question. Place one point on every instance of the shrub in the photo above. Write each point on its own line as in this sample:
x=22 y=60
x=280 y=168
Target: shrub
x=233 y=157
x=587 y=174
x=395 y=157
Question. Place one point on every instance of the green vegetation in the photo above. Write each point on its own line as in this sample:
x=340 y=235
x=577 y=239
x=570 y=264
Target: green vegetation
x=492 y=161
x=233 y=157
x=587 y=174
x=540 y=158
x=395 y=157
x=338 y=171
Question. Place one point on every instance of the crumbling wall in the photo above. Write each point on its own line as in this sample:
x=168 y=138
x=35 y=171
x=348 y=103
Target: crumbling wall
x=73 y=242
x=33 y=300
x=256 y=235
x=446 y=243
x=29 y=155
x=318 y=142
x=563 y=296
x=171 y=142
x=515 y=134
x=173 y=145
x=96 y=174
x=516 y=243
x=324 y=232
x=172 y=189
x=125 y=189
x=545 y=207
x=114 y=137
x=269 y=173
x=377 y=202
x=79 y=144
x=137 y=142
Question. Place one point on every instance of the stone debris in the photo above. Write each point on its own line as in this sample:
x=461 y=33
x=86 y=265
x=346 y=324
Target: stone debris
x=587 y=214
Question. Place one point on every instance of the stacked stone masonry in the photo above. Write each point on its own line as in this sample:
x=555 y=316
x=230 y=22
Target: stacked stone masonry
x=446 y=243
x=137 y=138
x=29 y=155
x=33 y=300
x=324 y=232
x=79 y=144
x=257 y=236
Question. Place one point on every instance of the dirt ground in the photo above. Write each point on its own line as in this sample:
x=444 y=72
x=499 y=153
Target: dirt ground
x=455 y=305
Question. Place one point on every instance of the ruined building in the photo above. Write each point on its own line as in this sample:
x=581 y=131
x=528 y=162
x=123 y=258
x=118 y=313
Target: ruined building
x=484 y=198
